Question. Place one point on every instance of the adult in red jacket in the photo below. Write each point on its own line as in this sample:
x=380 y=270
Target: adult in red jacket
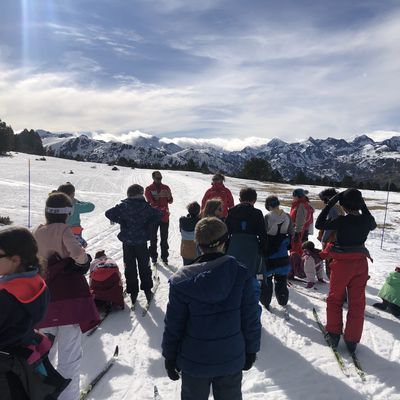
x=159 y=196
x=219 y=191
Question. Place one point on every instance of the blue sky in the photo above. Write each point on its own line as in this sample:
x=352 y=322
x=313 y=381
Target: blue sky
x=240 y=70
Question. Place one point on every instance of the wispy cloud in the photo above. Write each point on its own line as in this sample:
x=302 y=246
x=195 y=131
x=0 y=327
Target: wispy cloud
x=202 y=69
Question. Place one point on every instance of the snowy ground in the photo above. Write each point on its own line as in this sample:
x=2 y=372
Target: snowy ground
x=294 y=363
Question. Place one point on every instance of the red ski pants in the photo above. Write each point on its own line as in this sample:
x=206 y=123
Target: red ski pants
x=350 y=275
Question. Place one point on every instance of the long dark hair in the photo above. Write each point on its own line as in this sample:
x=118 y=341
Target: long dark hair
x=18 y=241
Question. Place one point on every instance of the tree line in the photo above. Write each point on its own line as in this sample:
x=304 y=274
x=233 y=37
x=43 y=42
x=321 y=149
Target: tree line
x=28 y=141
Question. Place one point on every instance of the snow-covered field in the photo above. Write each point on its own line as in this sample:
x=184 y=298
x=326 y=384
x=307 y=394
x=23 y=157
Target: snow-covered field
x=294 y=362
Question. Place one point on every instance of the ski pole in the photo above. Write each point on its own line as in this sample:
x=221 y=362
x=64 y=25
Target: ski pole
x=29 y=192
x=384 y=219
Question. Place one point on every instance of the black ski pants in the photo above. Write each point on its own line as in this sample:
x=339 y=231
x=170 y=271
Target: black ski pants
x=163 y=240
x=227 y=387
x=281 y=290
x=137 y=257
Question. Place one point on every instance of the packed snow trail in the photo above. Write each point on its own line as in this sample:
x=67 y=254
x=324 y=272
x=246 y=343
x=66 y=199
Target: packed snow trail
x=294 y=363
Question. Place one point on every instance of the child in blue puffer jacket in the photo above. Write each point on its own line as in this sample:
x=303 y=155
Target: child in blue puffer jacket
x=135 y=216
x=212 y=324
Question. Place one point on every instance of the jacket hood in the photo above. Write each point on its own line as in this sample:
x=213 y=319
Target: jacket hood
x=241 y=210
x=209 y=282
x=140 y=203
x=218 y=185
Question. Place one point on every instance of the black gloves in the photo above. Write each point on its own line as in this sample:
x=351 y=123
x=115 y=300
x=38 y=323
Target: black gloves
x=81 y=268
x=250 y=359
x=172 y=370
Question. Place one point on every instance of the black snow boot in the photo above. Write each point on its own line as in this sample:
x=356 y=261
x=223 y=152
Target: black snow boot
x=351 y=346
x=334 y=339
x=149 y=295
x=380 y=306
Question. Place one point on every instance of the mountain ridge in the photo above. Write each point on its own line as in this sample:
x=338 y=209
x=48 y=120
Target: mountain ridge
x=335 y=158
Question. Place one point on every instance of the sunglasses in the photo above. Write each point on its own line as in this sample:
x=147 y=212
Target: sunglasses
x=4 y=255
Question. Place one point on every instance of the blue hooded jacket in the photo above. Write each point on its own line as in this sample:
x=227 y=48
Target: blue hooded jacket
x=134 y=215
x=212 y=318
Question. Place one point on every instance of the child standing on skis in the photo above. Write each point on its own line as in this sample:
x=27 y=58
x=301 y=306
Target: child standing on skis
x=79 y=207
x=135 y=216
x=279 y=228
x=25 y=370
x=312 y=264
x=71 y=310
x=349 y=266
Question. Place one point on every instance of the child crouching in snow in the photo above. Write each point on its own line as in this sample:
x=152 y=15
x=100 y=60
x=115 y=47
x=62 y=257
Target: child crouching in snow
x=105 y=282
x=212 y=324
x=312 y=264
x=390 y=294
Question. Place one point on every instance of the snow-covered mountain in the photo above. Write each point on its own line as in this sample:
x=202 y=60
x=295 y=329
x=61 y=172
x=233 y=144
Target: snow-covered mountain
x=361 y=158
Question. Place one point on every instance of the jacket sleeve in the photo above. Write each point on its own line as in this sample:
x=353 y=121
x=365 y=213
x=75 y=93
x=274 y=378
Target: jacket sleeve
x=205 y=198
x=175 y=325
x=114 y=214
x=250 y=315
x=301 y=216
x=261 y=231
x=154 y=215
x=229 y=200
x=365 y=211
x=84 y=206
x=170 y=199
x=327 y=224
x=149 y=197
x=74 y=249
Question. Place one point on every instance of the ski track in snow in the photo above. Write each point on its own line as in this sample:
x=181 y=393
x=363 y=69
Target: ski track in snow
x=294 y=361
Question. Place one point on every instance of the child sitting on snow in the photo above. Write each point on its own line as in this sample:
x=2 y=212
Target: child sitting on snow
x=390 y=294
x=105 y=282
x=312 y=264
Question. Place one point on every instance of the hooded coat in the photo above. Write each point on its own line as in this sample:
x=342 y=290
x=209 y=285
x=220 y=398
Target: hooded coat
x=391 y=289
x=134 y=216
x=212 y=318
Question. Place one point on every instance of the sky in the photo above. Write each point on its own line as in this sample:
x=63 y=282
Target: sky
x=244 y=71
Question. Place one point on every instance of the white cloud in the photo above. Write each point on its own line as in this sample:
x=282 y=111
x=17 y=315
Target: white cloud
x=232 y=144
x=261 y=83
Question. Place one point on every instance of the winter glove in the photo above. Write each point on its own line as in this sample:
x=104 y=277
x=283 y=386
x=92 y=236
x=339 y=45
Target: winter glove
x=250 y=359
x=81 y=268
x=172 y=370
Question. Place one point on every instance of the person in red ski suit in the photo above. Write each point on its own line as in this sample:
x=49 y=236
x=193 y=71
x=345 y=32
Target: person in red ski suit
x=219 y=191
x=159 y=196
x=349 y=265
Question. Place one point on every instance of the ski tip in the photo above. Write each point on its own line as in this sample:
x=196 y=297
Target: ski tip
x=116 y=351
